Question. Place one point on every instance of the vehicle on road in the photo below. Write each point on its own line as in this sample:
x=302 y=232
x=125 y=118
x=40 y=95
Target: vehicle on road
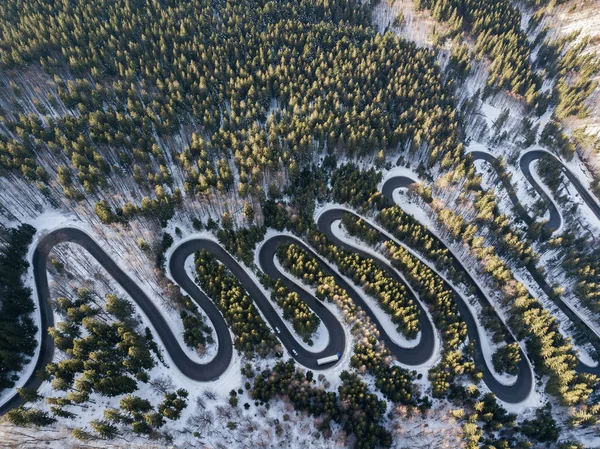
x=329 y=359
x=294 y=352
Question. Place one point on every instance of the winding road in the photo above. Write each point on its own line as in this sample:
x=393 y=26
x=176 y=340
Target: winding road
x=191 y=369
x=411 y=356
x=202 y=372
x=555 y=220
x=587 y=197
x=525 y=161
x=393 y=183
x=523 y=384
x=554 y=223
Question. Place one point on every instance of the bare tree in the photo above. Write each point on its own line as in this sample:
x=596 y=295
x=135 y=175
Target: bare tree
x=200 y=403
x=209 y=394
x=162 y=384
x=224 y=412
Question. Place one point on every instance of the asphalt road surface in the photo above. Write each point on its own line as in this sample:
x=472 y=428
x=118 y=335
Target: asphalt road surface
x=508 y=393
x=408 y=356
x=214 y=368
x=202 y=372
x=525 y=164
x=193 y=370
x=555 y=220
x=520 y=389
x=414 y=356
x=589 y=199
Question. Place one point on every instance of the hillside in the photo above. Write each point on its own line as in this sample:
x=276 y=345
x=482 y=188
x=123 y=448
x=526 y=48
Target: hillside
x=300 y=223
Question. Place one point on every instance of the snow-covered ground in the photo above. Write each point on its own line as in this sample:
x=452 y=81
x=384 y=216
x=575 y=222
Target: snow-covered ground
x=321 y=336
x=490 y=180
x=565 y=325
x=488 y=346
x=416 y=26
x=418 y=213
x=534 y=173
x=525 y=192
x=578 y=168
x=79 y=264
x=43 y=223
x=491 y=113
x=389 y=327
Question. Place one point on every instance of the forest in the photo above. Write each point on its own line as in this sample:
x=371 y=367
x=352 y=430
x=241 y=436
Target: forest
x=111 y=119
x=156 y=123
x=252 y=336
x=105 y=354
x=17 y=329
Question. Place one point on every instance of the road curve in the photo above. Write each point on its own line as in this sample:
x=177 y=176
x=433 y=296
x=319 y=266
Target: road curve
x=337 y=338
x=555 y=219
x=304 y=356
x=525 y=162
x=211 y=370
x=514 y=393
x=587 y=197
x=414 y=356
x=202 y=372
x=393 y=183
x=554 y=223
x=191 y=369
x=403 y=182
x=495 y=163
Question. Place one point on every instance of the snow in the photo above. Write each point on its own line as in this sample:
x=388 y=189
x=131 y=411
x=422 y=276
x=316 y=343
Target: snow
x=487 y=345
x=578 y=168
x=523 y=189
x=572 y=303
x=321 y=336
x=566 y=326
x=256 y=427
x=534 y=399
x=212 y=349
x=171 y=316
x=77 y=263
x=177 y=329
x=396 y=171
x=491 y=113
x=53 y=220
x=344 y=362
x=417 y=26
x=534 y=173
x=229 y=380
x=46 y=221
x=431 y=431
x=385 y=320
x=583 y=210
x=490 y=180
x=543 y=121
x=485 y=337
x=437 y=429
